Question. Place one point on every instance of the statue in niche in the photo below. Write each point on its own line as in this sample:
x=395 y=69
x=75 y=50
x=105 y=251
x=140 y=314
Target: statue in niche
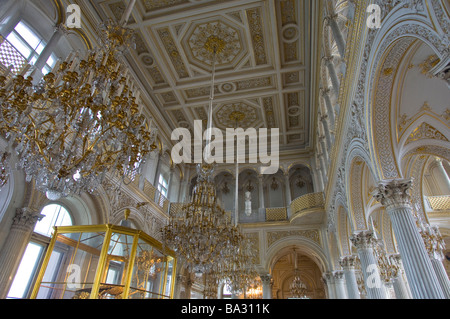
x=248 y=199
x=248 y=203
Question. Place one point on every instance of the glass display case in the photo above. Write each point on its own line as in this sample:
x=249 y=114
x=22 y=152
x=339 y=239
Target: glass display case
x=105 y=262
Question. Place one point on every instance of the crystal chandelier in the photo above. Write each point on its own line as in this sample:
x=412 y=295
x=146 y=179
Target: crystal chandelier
x=239 y=272
x=297 y=287
x=80 y=122
x=4 y=168
x=201 y=232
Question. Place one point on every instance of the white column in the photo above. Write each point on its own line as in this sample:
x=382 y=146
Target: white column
x=328 y=279
x=323 y=169
x=324 y=150
x=442 y=178
x=330 y=110
x=327 y=131
x=288 y=189
x=266 y=286
x=364 y=243
x=348 y=263
x=435 y=245
x=424 y=284
x=333 y=75
x=15 y=245
x=339 y=281
x=337 y=34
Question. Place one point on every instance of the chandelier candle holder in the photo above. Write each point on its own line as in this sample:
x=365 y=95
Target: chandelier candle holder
x=80 y=122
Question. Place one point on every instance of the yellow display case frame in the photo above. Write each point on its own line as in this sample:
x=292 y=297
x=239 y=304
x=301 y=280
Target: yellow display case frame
x=108 y=230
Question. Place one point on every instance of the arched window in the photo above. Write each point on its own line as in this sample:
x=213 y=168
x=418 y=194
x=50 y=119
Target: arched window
x=54 y=215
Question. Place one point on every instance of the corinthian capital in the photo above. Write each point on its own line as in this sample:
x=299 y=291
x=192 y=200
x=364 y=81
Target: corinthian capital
x=363 y=240
x=348 y=262
x=26 y=218
x=394 y=193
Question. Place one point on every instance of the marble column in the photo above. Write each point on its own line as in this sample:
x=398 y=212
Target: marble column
x=337 y=33
x=364 y=242
x=330 y=111
x=266 y=286
x=442 y=178
x=328 y=279
x=288 y=189
x=339 y=281
x=435 y=245
x=424 y=284
x=327 y=131
x=401 y=289
x=348 y=263
x=333 y=75
x=324 y=149
x=323 y=169
x=14 y=247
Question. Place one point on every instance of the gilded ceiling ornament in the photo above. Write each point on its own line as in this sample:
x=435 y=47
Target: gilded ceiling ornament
x=216 y=36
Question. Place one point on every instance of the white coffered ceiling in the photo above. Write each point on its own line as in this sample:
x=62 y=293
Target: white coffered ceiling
x=266 y=71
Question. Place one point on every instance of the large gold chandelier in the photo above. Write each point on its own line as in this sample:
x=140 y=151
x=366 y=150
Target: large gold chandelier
x=201 y=232
x=80 y=122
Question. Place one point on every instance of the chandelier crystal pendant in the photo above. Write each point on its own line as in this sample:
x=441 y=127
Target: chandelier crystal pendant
x=297 y=287
x=80 y=122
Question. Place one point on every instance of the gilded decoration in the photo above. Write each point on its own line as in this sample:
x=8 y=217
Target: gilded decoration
x=228 y=115
x=152 y=5
x=257 y=35
x=425 y=131
x=172 y=51
x=254 y=242
x=215 y=35
x=275 y=236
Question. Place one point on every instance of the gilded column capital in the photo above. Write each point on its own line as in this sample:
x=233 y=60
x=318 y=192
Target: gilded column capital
x=26 y=218
x=348 y=262
x=363 y=240
x=394 y=193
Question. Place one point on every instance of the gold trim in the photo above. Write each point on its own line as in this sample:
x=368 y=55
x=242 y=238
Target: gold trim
x=101 y=264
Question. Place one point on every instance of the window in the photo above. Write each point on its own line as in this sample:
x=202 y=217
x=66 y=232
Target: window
x=55 y=215
x=163 y=185
x=30 y=45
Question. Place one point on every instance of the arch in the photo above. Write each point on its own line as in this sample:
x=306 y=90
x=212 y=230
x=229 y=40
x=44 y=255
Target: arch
x=304 y=245
x=357 y=162
x=135 y=217
x=392 y=43
x=343 y=233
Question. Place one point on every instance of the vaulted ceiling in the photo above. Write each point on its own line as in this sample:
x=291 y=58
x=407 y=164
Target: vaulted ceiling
x=265 y=74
